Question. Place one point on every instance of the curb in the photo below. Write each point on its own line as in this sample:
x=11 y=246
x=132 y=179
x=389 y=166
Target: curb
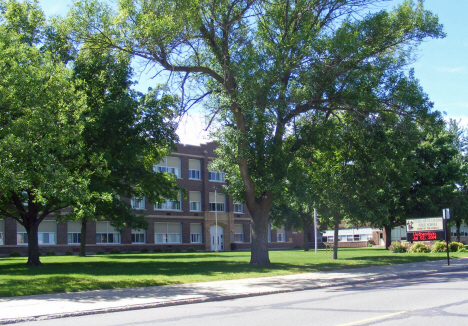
x=221 y=297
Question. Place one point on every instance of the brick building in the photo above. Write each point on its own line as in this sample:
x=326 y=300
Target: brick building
x=186 y=222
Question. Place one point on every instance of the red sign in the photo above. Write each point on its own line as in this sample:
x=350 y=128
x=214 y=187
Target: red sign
x=425 y=236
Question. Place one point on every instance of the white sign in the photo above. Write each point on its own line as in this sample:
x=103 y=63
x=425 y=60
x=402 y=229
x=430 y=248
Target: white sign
x=424 y=224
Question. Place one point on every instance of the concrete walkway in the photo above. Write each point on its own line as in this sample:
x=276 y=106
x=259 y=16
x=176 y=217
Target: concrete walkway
x=50 y=306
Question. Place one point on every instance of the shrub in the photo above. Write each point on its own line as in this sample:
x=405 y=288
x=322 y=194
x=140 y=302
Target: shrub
x=369 y=245
x=100 y=252
x=456 y=246
x=144 y=250
x=115 y=251
x=15 y=254
x=397 y=247
x=51 y=252
x=191 y=249
x=128 y=252
x=168 y=249
x=177 y=250
x=439 y=246
x=68 y=253
x=157 y=250
x=419 y=247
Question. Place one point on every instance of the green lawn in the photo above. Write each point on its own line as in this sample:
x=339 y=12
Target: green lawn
x=73 y=273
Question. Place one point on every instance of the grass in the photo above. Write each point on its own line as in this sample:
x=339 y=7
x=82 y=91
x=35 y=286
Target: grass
x=72 y=273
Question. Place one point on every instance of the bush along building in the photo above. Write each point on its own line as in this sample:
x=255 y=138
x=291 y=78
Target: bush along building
x=180 y=224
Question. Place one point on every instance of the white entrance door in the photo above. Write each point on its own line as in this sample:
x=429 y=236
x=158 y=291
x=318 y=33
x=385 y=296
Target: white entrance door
x=220 y=241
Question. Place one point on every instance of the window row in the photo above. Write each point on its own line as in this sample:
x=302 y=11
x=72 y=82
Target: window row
x=173 y=165
x=348 y=237
x=217 y=202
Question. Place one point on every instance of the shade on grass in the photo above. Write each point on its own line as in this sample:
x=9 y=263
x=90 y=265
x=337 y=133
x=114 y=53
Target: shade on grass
x=73 y=273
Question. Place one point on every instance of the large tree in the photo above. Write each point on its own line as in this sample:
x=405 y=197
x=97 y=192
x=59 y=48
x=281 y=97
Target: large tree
x=41 y=142
x=131 y=131
x=262 y=64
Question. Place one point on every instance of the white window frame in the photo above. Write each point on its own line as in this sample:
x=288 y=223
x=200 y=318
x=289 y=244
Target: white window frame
x=114 y=235
x=75 y=238
x=239 y=237
x=195 y=206
x=162 y=167
x=138 y=235
x=138 y=203
x=195 y=174
x=238 y=208
x=23 y=240
x=165 y=237
x=215 y=176
x=169 y=203
x=196 y=237
x=281 y=235
x=217 y=206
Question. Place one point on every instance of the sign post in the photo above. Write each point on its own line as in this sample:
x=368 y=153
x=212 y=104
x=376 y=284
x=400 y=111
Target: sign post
x=315 y=229
x=446 y=216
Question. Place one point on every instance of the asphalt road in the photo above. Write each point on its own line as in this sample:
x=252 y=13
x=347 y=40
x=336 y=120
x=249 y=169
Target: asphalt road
x=437 y=299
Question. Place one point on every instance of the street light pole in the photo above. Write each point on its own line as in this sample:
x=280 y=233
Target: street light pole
x=216 y=219
x=315 y=229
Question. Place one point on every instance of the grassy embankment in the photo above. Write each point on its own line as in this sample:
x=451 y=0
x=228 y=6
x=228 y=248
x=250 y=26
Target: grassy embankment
x=73 y=273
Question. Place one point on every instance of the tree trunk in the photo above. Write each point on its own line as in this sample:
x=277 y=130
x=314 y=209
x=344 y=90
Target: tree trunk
x=458 y=224
x=259 y=253
x=83 y=238
x=335 y=237
x=33 y=247
x=305 y=227
x=388 y=236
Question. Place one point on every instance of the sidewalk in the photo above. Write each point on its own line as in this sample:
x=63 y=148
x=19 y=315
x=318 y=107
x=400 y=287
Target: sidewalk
x=50 y=306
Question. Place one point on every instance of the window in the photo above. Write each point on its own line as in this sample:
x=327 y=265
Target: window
x=349 y=237
x=195 y=233
x=194 y=169
x=138 y=236
x=74 y=232
x=281 y=235
x=217 y=203
x=169 y=205
x=330 y=238
x=167 y=232
x=195 y=201
x=169 y=165
x=2 y=231
x=106 y=233
x=238 y=208
x=138 y=203
x=216 y=176
x=342 y=238
x=238 y=233
x=45 y=235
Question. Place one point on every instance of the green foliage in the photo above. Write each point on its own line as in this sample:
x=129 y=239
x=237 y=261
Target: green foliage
x=144 y=250
x=191 y=249
x=69 y=253
x=177 y=249
x=419 y=247
x=99 y=252
x=15 y=254
x=456 y=246
x=264 y=65
x=397 y=247
x=114 y=251
x=439 y=246
x=158 y=249
x=51 y=252
x=168 y=249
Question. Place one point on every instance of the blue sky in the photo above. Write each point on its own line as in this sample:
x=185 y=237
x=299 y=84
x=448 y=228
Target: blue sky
x=442 y=65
